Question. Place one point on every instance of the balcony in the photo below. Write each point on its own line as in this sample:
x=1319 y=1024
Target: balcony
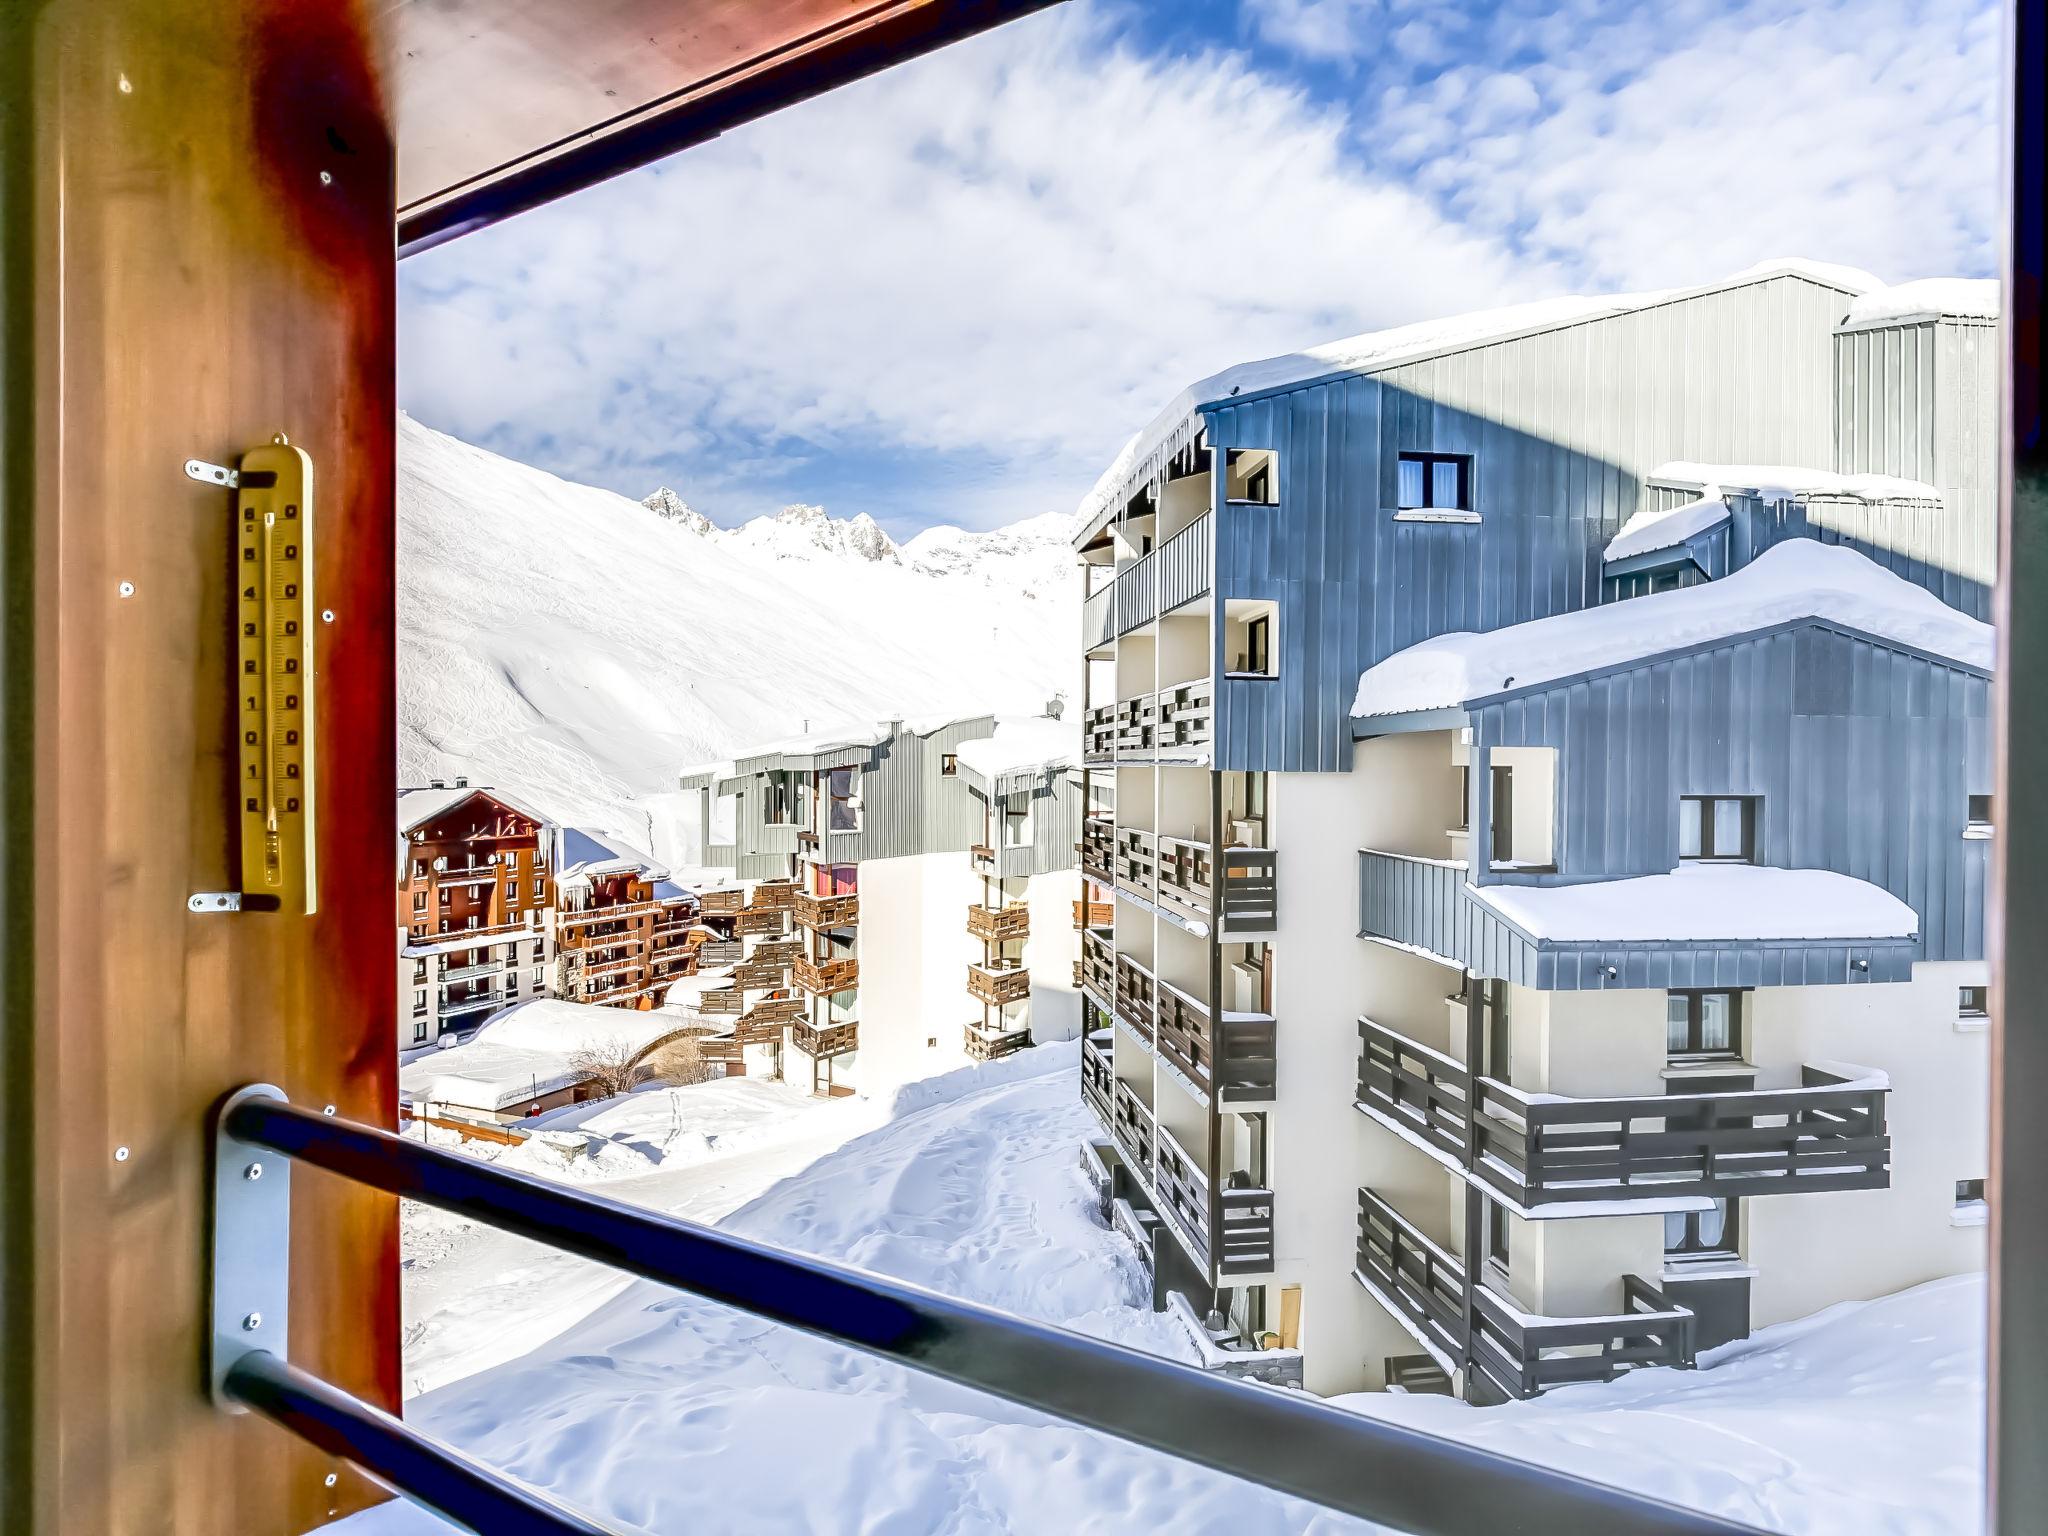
x=1827 y=1134
x=1098 y=968
x=1098 y=734
x=778 y=952
x=1234 y=1061
x=1175 y=573
x=826 y=911
x=1135 y=996
x=983 y=1043
x=1136 y=863
x=999 y=984
x=1236 y=1238
x=763 y=1023
x=995 y=925
x=757 y=975
x=482 y=875
x=752 y=921
x=1093 y=914
x=456 y=973
x=721 y=903
x=468 y=938
x=821 y=978
x=1098 y=617
x=1515 y=1354
x=1177 y=874
x=1098 y=850
x=470 y=1002
x=721 y=1002
x=982 y=857
x=1133 y=1129
x=590 y=970
x=773 y=896
x=1098 y=1077
x=567 y=921
x=720 y=952
x=825 y=1040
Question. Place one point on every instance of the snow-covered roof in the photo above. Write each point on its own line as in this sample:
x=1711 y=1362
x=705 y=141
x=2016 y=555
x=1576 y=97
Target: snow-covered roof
x=587 y=854
x=1705 y=903
x=1927 y=298
x=1789 y=482
x=1798 y=579
x=1666 y=527
x=1031 y=745
x=840 y=738
x=422 y=803
x=1378 y=350
x=526 y=1051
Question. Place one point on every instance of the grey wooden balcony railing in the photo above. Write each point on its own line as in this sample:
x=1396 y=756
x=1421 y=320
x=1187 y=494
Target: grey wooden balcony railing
x=1828 y=1134
x=1098 y=967
x=1234 y=1234
x=1414 y=901
x=1515 y=1353
x=1098 y=849
x=1098 y=1076
x=1098 y=617
x=1133 y=1129
x=1232 y=1059
x=1135 y=997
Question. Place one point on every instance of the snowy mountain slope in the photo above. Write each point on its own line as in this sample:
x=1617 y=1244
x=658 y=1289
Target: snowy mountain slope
x=578 y=647
x=674 y=1414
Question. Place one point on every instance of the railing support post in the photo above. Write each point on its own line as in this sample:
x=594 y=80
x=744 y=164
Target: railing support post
x=252 y=1243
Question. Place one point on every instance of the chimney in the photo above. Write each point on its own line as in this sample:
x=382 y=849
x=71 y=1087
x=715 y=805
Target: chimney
x=437 y=783
x=462 y=781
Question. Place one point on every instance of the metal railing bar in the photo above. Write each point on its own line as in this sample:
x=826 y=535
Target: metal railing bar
x=1289 y=1442
x=427 y=1471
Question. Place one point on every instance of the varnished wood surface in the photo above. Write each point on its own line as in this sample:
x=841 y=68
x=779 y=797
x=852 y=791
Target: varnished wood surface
x=198 y=284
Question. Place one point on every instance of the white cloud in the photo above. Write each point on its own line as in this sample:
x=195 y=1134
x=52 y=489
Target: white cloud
x=1014 y=251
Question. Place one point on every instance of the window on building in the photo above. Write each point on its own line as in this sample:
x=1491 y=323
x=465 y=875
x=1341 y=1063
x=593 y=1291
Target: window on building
x=1497 y=1233
x=419 y=970
x=1700 y=1234
x=1258 y=645
x=419 y=1001
x=446 y=895
x=1502 y=848
x=1016 y=820
x=419 y=1031
x=1973 y=1207
x=1703 y=1024
x=1252 y=474
x=1973 y=1002
x=1434 y=482
x=536 y=978
x=1980 y=815
x=419 y=901
x=1717 y=827
x=949 y=765
x=1500 y=1035
x=539 y=888
x=843 y=785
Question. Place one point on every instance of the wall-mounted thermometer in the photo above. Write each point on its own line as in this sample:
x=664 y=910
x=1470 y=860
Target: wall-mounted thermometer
x=274 y=524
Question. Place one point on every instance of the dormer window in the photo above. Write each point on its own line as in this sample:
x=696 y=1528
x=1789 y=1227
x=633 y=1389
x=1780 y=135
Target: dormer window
x=1717 y=828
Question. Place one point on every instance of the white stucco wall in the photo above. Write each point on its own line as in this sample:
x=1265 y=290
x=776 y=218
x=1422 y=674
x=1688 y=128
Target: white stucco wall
x=914 y=952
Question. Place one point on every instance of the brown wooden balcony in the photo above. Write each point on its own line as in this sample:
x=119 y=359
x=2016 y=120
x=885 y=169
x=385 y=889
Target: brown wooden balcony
x=1137 y=861
x=997 y=924
x=1098 y=849
x=1233 y=1059
x=982 y=856
x=569 y=921
x=758 y=920
x=757 y=975
x=983 y=1043
x=1098 y=968
x=1093 y=914
x=1135 y=996
x=824 y=1039
x=1182 y=717
x=1136 y=721
x=1098 y=1076
x=1098 y=734
x=1235 y=1236
x=1133 y=1129
x=999 y=984
x=591 y=969
x=772 y=896
x=1827 y=1134
x=721 y=1001
x=826 y=911
x=773 y=1012
x=778 y=952
x=1513 y=1353
x=674 y=962
x=828 y=976
x=722 y=903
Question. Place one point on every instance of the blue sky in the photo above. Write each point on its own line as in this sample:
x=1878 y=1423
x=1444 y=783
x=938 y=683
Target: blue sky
x=948 y=294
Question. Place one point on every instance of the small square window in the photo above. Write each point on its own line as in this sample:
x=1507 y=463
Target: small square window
x=1703 y=1024
x=1973 y=1002
x=1980 y=817
x=1433 y=482
x=1253 y=475
x=1973 y=1207
x=1719 y=827
x=949 y=765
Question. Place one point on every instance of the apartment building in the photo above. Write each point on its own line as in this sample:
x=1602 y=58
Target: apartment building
x=475 y=890
x=912 y=885
x=623 y=930
x=1538 y=781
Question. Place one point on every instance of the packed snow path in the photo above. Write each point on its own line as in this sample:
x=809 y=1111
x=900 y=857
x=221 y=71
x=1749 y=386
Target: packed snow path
x=667 y=1414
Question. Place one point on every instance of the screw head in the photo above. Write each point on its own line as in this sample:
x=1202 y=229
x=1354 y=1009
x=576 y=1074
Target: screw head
x=253 y=1172
x=127 y=86
x=332 y=1480
x=328 y=1110
x=127 y=589
x=327 y=178
x=120 y=1154
x=326 y=615
x=252 y=1322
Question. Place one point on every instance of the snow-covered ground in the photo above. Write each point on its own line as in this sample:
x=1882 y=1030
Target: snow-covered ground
x=575 y=648
x=665 y=1413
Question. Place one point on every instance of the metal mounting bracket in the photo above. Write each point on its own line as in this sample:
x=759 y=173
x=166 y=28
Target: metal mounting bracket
x=213 y=474
x=252 y=1226
x=214 y=901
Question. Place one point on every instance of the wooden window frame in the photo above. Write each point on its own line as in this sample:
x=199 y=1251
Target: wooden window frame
x=1428 y=461
x=1696 y=1014
x=1750 y=815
